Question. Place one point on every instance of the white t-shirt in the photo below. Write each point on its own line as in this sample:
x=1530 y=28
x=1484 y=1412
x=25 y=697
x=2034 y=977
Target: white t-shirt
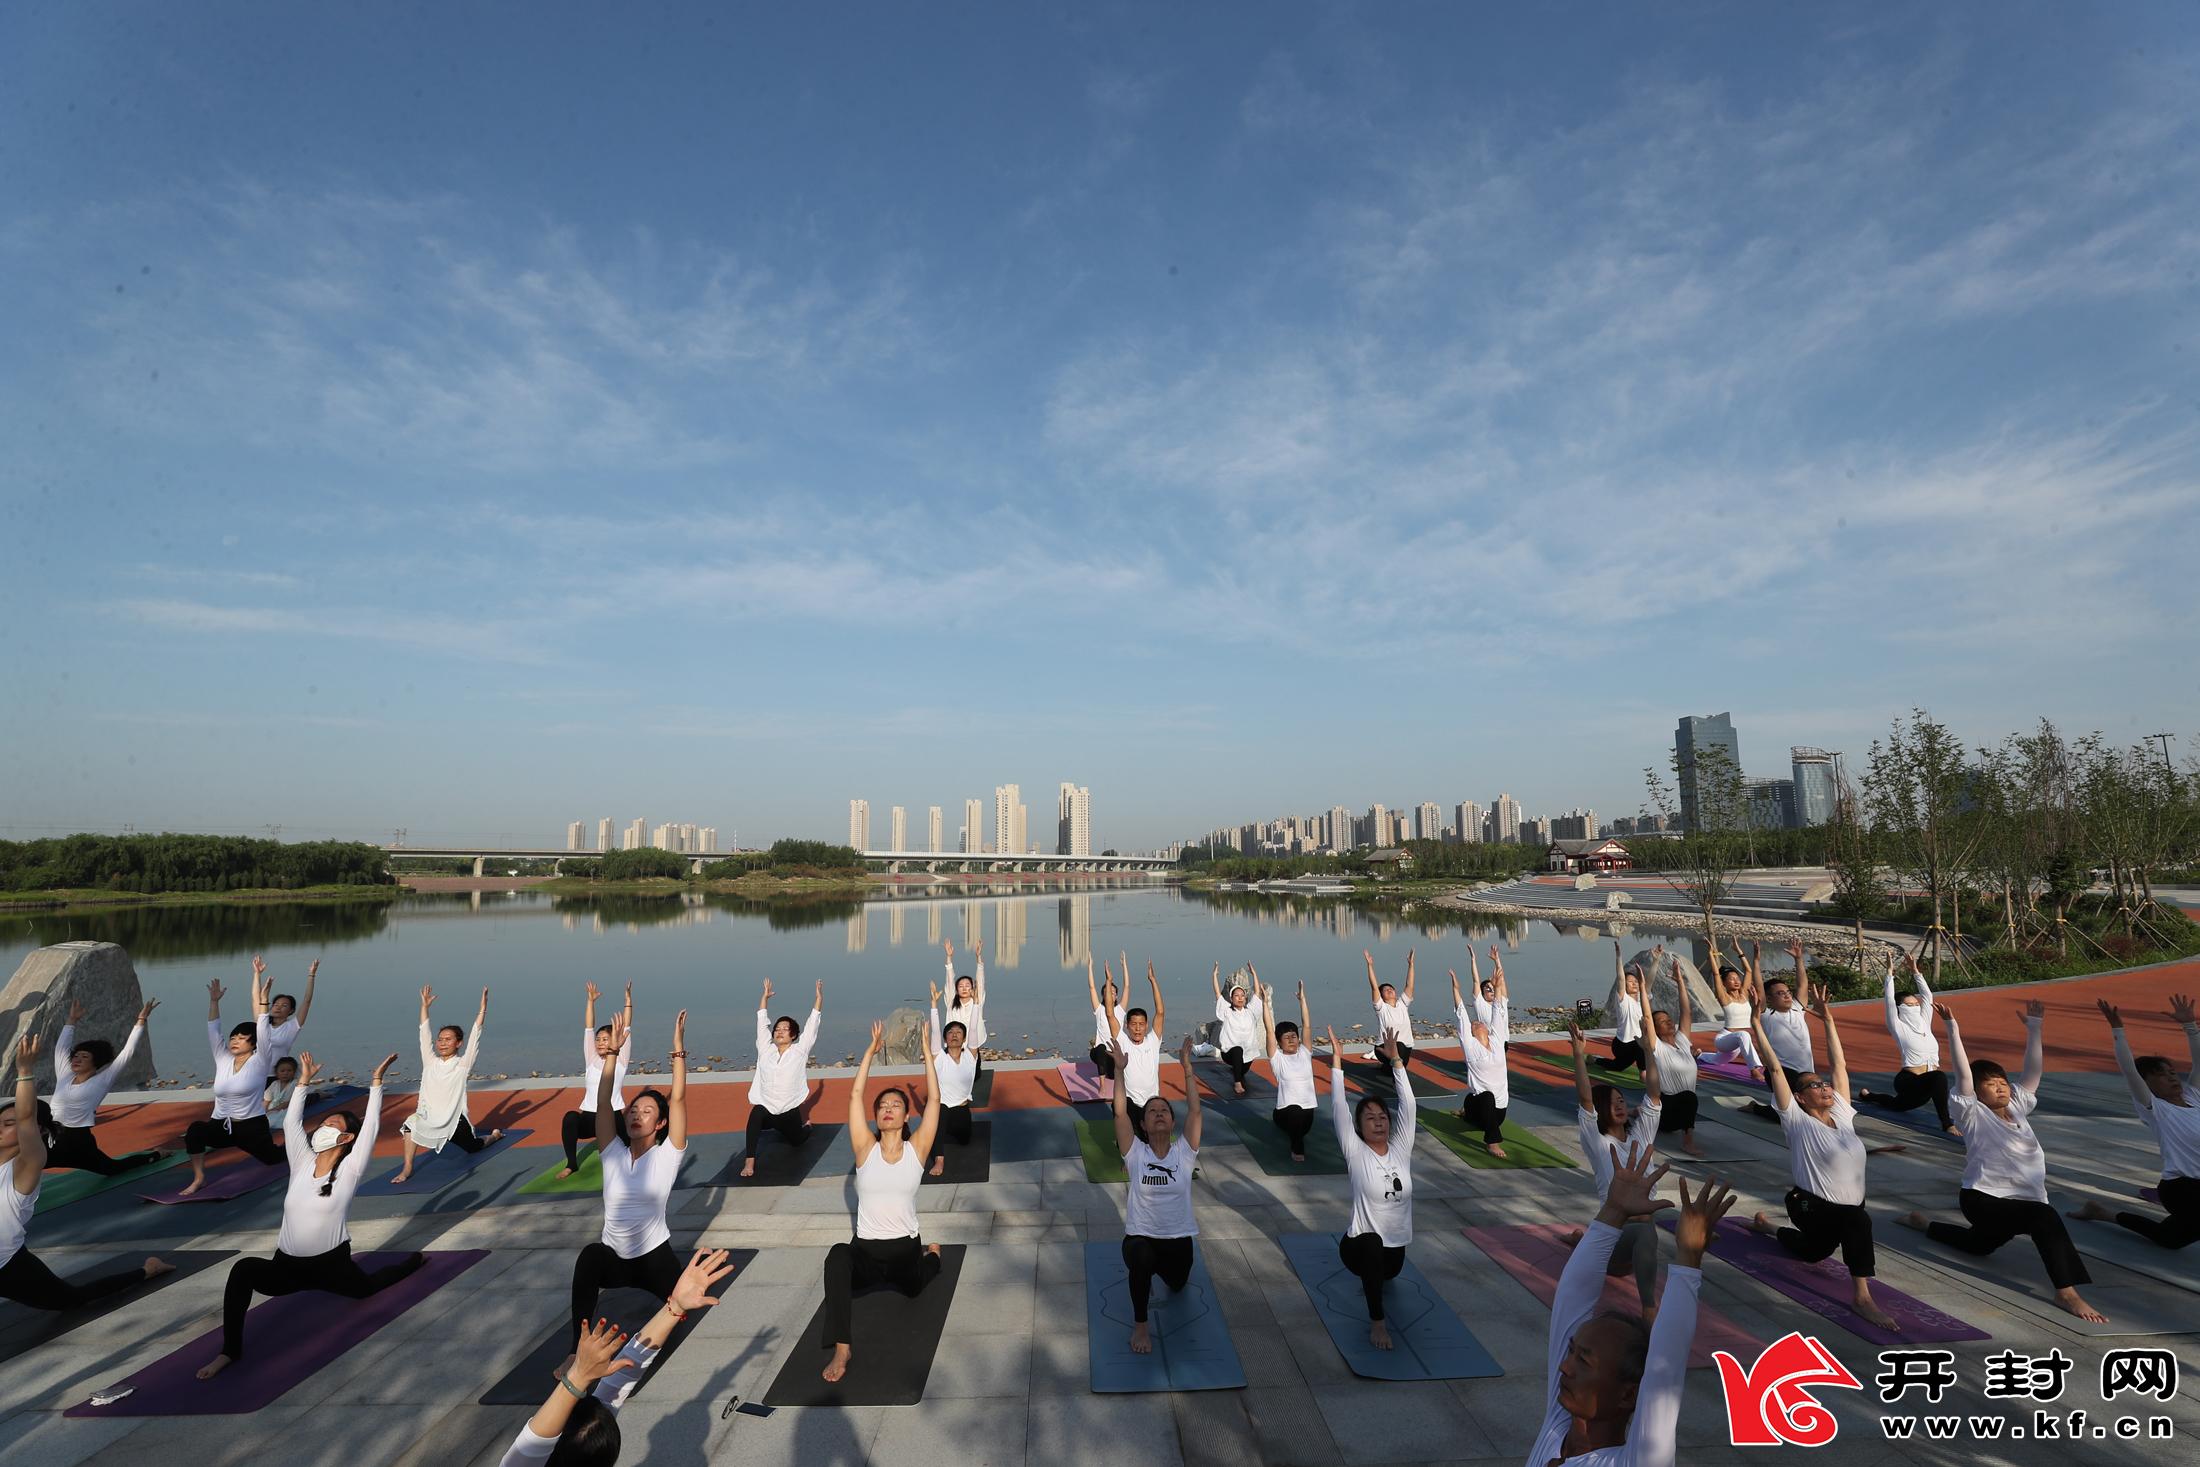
x=313 y=1224
x=2176 y=1128
x=957 y=1077
x=634 y=1196
x=1912 y=1027
x=886 y=1194
x=1382 y=1186
x=1141 y=1069
x=1642 y=1135
x=782 y=1080
x=239 y=1095
x=1676 y=1066
x=283 y=1038
x=1630 y=1018
x=76 y=1103
x=1241 y=1028
x=1486 y=1070
x=1159 y=1202
x=1393 y=1022
x=1294 y=1078
x=971 y=1015
x=592 y=1072
x=2001 y=1158
x=1822 y=1159
x=1100 y=1024
x=1790 y=1036
x=15 y=1213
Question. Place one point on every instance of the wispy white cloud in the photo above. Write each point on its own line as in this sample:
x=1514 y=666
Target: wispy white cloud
x=489 y=640
x=183 y=718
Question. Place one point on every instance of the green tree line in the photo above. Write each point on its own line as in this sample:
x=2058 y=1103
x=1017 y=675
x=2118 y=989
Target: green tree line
x=186 y=863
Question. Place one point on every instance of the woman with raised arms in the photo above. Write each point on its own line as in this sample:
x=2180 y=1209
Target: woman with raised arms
x=1241 y=1023
x=1921 y=1079
x=596 y=1052
x=1377 y=1143
x=1607 y=1123
x=241 y=1064
x=1393 y=1008
x=1291 y=1061
x=2170 y=1106
x=966 y=999
x=439 y=1111
x=1483 y=1033
x=1159 y=1228
x=635 y=1250
x=85 y=1071
x=782 y=1082
x=956 y=1064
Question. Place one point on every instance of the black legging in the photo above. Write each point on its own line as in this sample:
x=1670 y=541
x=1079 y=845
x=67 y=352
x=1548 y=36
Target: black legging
x=250 y=1135
x=788 y=1123
x=1678 y=1114
x=1481 y=1109
x=27 y=1281
x=579 y=1126
x=465 y=1139
x=1995 y=1220
x=2181 y=1196
x=954 y=1127
x=1626 y=1052
x=1170 y=1258
x=1373 y=1264
x=1103 y=1060
x=1822 y=1226
x=333 y=1272
x=600 y=1267
x=1295 y=1121
x=1912 y=1090
x=900 y=1263
x=75 y=1146
x=1234 y=1057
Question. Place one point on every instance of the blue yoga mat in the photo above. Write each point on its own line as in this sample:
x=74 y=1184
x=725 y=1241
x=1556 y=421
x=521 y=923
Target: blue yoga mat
x=1428 y=1341
x=1191 y=1339
x=433 y=1170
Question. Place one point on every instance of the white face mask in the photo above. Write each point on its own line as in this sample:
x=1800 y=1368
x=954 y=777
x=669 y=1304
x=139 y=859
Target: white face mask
x=328 y=1138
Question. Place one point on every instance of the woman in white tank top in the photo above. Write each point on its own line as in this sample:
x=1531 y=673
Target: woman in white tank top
x=1736 y=1038
x=889 y=1169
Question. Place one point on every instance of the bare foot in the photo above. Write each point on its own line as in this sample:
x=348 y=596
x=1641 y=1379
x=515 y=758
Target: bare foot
x=1378 y=1334
x=1497 y=1149
x=838 y=1365
x=186 y=1192
x=1760 y=1223
x=1141 y=1339
x=495 y=1137
x=1688 y=1144
x=1298 y=1156
x=155 y=1267
x=933 y=1249
x=401 y=1178
x=214 y=1367
x=748 y=1169
x=939 y=1165
x=1863 y=1305
x=2068 y=1299
x=564 y=1172
x=2094 y=1212
x=1955 y=1131
x=1573 y=1236
x=1757 y=1073
x=1912 y=1220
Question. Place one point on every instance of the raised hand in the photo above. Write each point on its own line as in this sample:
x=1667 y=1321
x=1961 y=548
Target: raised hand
x=977 y=949
x=313 y=970
x=2034 y=1009
x=1947 y=1015
x=381 y=1071
x=1388 y=1049
x=767 y=999
x=594 y=992
x=619 y=1031
x=817 y=1001
x=1634 y=1185
x=26 y=1055
x=2113 y=1014
x=307 y=1069
x=1573 y=1033
x=2180 y=1008
x=259 y=967
x=427 y=998
x=949 y=944
x=145 y=1010
x=1794 y=949
x=1333 y=1041
x=679 y=1033
x=1184 y=1053
x=216 y=992
x=878 y=1037
x=1818 y=1003
x=597 y=1354
x=707 y=1269
x=76 y=1012
x=935 y=995
x=1699 y=1220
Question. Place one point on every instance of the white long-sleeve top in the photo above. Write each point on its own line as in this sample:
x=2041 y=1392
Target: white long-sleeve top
x=782 y=1080
x=1630 y=1019
x=313 y=1224
x=16 y=1211
x=75 y=1102
x=1241 y=1028
x=1394 y=1021
x=1382 y=1186
x=1789 y=1033
x=592 y=1070
x=2176 y=1128
x=1651 y=1434
x=442 y=1100
x=1913 y=1028
x=283 y=1038
x=239 y=1094
x=1486 y=1071
x=612 y=1390
x=957 y=1077
x=970 y=1015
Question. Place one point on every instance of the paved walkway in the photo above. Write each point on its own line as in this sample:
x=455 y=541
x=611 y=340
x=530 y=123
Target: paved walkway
x=1010 y=1383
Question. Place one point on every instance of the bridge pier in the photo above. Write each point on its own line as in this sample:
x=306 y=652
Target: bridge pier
x=479 y=859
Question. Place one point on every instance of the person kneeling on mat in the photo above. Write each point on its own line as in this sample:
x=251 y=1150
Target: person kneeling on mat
x=85 y=1072
x=957 y=1066
x=1605 y=1121
x=1378 y=1153
x=25 y=1125
x=888 y=1247
x=439 y=1111
x=2170 y=1106
x=1393 y=1009
x=635 y=1249
x=782 y=1081
x=577 y=1425
x=1137 y=1041
x=597 y=1050
x=1105 y=1002
x=1921 y=1079
x=1613 y=1385
x=1482 y=1037
x=1158 y=1225
x=241 y=1063
x=313 y=1250
x=1634 y=992
x=1291 y=1061
x=1241 y=1021
x=1673 y=1056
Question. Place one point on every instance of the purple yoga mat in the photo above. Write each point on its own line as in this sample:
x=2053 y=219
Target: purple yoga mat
x=224 y=1183
x=1823 y=1289
x=1082 y=1081
x=1726 y=1070
x=2151 y=1194
x=286 y=1340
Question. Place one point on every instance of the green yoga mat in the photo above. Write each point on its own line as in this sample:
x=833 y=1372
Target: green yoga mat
x=1630 y=1078
x=1103 y=1163
x=59 y=1189
x=1268 y=1148
x=589 y=1179
x=1523 y=1148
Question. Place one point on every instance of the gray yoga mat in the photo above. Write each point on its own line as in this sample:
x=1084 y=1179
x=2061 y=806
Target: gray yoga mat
x=1428 y=1341
x=2013 y=1278
x=1191 y=1339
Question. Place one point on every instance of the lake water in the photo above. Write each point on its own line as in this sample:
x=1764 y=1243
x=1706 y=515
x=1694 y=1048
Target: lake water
x=710 y=954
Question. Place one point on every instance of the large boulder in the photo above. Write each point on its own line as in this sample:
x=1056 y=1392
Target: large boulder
x=1663 y=993
x=905 y=1038
x=98 y=975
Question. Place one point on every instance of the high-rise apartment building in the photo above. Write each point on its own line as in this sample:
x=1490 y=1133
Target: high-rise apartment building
x=573 y=837
x=1378 y=826
x=1428 y=821
x=1692 y=737
x=1771 y=803
x=660 y=837
x=1007 y=800
x=1817 y=784
x=1073 y=821
x=707 y=841
x=898 y=819
x=1467 y=816
x=1339 y=834
x=859 y=824
x=603 y=834
x=1020 y=834
x=1574 y=825
x=974 y=827
x=1504 y=821
x=1535 y=832
x=935 y=820
x=637 y=834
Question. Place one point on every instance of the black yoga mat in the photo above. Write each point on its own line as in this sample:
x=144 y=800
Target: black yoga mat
x=972 y=1163
x=895 y=1340
x=23 y=1328
x=528 y=1382
x=781 y=1165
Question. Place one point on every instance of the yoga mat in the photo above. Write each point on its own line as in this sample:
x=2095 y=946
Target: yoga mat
x=1737 y=1107
x=59 y=1189
x=1081 y=1082
x=972 y=1163
x=1630 y=1079
x=895 y=1340
x=981 y=1090
x=1921 y=1121
x=224 y=1183
x=286 y=1340
x=778 y=1164
x=1033 y=1135
x=587 y=1177
x=1724 y=1069
x=23 y=1328
x=2112 y=1243
x=1523 y=1148
x=433 y=1171
x=1273 y=1153
x=1103 y=1162
x=529 y=1381
x=2014 y=1279
x=1191 y=1339
x=1374 y=1079
x=1536 y=1253
x=1823 y=1288
x=1428 y=1341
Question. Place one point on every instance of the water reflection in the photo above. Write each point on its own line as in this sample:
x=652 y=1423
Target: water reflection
x=203 y=931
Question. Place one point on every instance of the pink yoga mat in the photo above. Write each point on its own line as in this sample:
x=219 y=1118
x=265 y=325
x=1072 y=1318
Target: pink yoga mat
x=285 y=1340
x=1081 y=1080
x=223 y=1183
x=1535 y=1254
x=1726 y=1070
x=1823 y=1289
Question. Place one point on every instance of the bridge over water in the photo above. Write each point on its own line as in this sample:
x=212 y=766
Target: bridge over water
x=485 y=856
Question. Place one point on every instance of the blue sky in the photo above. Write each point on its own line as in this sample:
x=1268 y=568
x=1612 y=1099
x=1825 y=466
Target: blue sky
x=474 y=418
